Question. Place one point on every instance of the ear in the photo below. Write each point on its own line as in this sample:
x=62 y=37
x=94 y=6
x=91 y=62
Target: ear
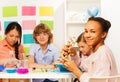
x=104 y=34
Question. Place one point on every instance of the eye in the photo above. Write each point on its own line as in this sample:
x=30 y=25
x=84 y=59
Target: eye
x=11 y=35
x=17 y=36
x=82 y=46
x=37 y=34
x=92 y=31
x=86 y=31
x=45 y=34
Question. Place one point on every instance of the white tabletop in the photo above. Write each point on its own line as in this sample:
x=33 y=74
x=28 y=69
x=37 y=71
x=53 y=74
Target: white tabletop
x=37 y=75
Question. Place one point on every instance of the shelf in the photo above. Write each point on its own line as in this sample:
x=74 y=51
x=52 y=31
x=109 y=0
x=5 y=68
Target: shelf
x=83 y=1
x=75 y=22
x=77 y=15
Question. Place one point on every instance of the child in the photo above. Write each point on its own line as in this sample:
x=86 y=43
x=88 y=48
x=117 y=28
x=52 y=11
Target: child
x=84 y=51
x=101 y=62
x=43 y=53
x=10 y=47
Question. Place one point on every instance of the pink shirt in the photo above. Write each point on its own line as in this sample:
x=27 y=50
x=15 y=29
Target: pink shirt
x=5 y=49
x=100 y=63
x=76 y=59
x=79 y=61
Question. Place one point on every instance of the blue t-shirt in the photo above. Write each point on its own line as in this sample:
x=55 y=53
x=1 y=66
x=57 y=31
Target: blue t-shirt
x=51 y=55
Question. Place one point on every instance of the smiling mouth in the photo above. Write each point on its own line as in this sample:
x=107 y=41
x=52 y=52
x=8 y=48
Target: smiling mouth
x=88 y=40
x=41 y=40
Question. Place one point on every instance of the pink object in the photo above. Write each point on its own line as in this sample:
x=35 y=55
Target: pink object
x=22 y=70
x=28 y=24
x=28 y=11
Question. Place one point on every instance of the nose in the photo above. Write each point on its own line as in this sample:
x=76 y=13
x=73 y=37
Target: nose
x=14 y=39
x=41 y=36
x=80 y=49
x=86 y=35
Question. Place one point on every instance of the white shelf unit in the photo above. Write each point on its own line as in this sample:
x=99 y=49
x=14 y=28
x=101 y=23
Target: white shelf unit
x=77 y=16
x=74 y=22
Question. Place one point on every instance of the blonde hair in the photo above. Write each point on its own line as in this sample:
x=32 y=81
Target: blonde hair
x=81 y=38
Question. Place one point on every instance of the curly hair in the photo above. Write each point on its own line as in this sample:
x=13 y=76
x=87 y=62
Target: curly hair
x=42 y=28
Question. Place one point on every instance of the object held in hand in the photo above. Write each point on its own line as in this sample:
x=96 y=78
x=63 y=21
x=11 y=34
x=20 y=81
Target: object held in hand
x=66 y=53
x=11 y=53
x=62 y=67
x=12 y=62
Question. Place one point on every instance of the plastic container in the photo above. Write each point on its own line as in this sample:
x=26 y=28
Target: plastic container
x=11 y=70
x=22 y=70
x=62 y=67
x=2 y=67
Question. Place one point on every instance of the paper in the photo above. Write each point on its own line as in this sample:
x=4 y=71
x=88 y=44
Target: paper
x=28 y=11
x=9 y=11
x=28 y=39
x=46 y=11
x=0 y=37
x=26 y=49
x=49 y=23
x=28 y=24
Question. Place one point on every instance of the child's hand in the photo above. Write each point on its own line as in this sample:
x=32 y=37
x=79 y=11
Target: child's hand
x=70 y=64
x=10 y=66
x=65 y=50
x=72 y=51
x=68 y=50
x=11 y=62
x=62 y=59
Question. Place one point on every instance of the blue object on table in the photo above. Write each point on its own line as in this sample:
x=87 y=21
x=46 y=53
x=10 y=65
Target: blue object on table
x=11 y=70
x=2 y=67
x=56 y=70
x=62 y=67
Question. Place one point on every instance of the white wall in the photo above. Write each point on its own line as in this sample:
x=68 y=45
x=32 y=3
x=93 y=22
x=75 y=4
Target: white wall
x=59 y=23
x=58 y=18
x=110 y=10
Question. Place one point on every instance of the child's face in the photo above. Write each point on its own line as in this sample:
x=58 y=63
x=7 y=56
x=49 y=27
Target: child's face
x=84 y=48
x=12 y=37
x=42 y=38
x=93 y=33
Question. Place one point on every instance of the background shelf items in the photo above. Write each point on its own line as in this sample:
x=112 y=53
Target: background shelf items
x=77 y=14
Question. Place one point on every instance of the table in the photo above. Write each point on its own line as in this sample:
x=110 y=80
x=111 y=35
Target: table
x=30 y=75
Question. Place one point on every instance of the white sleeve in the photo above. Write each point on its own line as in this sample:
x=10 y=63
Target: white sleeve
x=101 y=65
x=84 y=77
